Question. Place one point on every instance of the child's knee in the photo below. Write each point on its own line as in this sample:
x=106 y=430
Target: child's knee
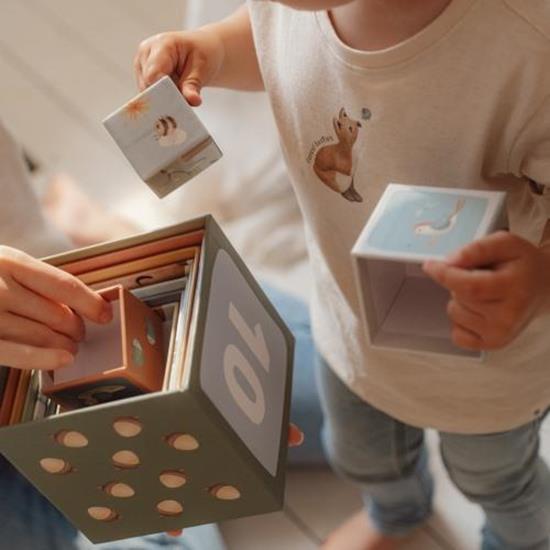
x=494 y=475
x=364 y=461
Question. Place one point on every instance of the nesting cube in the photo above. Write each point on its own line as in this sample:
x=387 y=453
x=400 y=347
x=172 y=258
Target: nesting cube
x=402 y=307
x=162 y=137
x=115 y=361
x=211 y=449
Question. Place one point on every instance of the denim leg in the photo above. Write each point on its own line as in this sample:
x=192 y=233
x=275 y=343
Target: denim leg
x=27 y=519
x=385 y=457
x=305 y=409
x=503 y=473
x=204 y=537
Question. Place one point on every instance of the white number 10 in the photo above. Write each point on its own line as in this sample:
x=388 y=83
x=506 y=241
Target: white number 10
x=234 y=360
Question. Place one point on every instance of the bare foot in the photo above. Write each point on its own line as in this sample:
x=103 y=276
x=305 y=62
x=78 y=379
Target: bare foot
x=357 y=533
x=84 y=221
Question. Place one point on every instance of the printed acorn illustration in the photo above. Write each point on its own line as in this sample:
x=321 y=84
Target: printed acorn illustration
x=441 y=225
x=334 y=163
x=167 y=132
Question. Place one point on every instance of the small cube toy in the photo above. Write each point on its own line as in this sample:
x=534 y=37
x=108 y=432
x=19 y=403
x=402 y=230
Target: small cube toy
x=402 y=307
x=162 y=137
x=115 y=361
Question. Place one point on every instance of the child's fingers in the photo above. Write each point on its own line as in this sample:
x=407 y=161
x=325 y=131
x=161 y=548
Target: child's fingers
x=23 y=356
x=138 y=71
x=24 y=331
x=139 y=61
x=466 y=339
x=295 y=436
x=477 y=285
x=461 y=315
x=160 y=61
x=58 y=286
x=193 y=77
x=497 y=248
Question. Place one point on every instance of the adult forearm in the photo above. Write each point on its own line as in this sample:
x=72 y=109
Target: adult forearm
x=240 y=69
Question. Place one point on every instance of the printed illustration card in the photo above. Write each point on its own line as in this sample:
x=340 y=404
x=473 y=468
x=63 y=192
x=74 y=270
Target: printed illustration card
x=413 y=222
x=162 y=137
x=402 y=307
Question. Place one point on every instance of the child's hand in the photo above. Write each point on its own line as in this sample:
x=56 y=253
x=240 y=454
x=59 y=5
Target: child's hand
x=498 y=284
x=40 y=309
x=221 y=54
x=192 y=59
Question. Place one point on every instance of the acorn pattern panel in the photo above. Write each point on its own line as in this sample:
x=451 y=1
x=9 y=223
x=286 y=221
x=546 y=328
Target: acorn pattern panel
x=116 y=474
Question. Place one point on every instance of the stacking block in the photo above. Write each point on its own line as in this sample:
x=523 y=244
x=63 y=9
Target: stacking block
x=162 y=137
x=402 y=307
x=209 y=449
x=118 y=360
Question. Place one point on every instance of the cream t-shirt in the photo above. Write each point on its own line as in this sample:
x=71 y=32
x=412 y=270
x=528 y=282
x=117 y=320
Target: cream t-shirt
x=464 y=103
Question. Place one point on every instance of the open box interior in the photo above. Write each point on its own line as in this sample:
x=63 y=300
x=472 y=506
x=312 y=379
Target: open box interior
x=163 y=275
x=405 y=309
x=150 y=463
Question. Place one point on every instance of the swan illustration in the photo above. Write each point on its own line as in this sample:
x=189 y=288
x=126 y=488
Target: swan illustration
x=442 y=225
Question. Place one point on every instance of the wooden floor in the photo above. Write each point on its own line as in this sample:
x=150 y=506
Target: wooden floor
x=64 y=66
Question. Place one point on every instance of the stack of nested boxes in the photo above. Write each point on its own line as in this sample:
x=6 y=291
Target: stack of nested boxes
x=178 y=414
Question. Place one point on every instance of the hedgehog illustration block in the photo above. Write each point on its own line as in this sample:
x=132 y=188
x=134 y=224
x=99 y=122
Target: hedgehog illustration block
x=121 y=359
x=402 y=307
x=162 y=137
x=213 y=447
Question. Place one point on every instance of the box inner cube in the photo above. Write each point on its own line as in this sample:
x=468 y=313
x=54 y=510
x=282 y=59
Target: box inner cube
x=93 y=358
x=161 y=274
x=408 y=309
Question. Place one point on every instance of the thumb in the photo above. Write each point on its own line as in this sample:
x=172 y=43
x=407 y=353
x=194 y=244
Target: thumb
x=490 y=251
x=193 y=78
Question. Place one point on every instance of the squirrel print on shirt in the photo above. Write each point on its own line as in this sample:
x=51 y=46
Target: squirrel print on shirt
x=334 y=164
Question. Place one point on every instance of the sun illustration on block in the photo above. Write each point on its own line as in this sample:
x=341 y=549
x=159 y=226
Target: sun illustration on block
x=136 y=108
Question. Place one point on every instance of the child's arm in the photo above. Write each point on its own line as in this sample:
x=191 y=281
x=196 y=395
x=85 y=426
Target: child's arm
x=40 y=312
x=490 y=307
x=221 y=54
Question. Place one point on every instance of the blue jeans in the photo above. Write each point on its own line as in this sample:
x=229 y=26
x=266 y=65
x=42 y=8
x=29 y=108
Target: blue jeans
x=29 y=522
x=305 y=407
x=502 y=472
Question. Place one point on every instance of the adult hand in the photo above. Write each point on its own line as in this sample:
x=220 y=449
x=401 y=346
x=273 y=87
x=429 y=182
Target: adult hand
x=41 y=310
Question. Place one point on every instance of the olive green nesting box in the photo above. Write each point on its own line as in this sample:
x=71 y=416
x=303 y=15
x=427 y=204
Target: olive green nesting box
x=210 y=450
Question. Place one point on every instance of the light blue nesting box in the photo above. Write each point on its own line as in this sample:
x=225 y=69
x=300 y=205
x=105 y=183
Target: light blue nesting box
x=162 y=137
x=402 y=307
